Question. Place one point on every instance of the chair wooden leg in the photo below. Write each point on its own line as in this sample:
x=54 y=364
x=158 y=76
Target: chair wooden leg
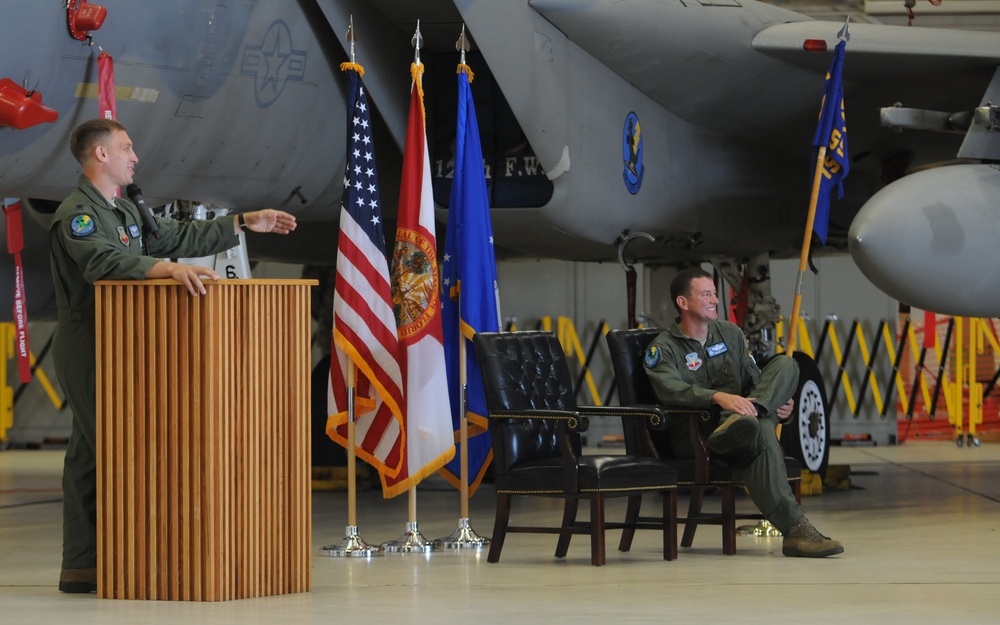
x=669 y=525
x=728 y=520
x=694 y=510
x=499 y=527
x=569 y=518
x=597 y=529
x=797 y=490
x=631 y=516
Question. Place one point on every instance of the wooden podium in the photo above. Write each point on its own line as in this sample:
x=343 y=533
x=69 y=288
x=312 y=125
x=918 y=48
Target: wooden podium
x=203 y=468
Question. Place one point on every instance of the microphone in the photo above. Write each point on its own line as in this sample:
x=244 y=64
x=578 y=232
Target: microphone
x=148 y=222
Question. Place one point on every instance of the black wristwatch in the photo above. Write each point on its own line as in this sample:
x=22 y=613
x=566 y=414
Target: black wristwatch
x=242 y=221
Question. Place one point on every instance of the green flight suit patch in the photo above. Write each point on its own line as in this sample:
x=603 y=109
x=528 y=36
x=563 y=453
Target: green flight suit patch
x=652 y=357
x=83 y=225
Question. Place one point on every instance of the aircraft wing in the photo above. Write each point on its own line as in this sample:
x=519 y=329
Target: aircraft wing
x=877 y=51
x=728 y=95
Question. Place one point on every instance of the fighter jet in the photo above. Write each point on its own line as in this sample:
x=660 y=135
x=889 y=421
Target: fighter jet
x=687 y=121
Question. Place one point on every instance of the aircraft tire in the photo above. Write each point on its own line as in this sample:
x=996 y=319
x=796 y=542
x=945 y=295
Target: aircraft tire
x=806 y=435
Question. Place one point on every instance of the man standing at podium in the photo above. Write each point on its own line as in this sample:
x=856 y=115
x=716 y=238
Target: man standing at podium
x=97 y=236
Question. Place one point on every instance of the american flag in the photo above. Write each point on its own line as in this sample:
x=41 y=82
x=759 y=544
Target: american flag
x=364 y=326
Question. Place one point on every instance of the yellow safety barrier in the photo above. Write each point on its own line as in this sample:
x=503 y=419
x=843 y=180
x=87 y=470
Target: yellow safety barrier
x=570 y=342
x=841 y=356
x=971 y=338
x=8 y=336
x=966 y=340
x=955 y=416
x=867 y=359
x=890 y=349
x=43 y=379
x=840 y=359
x=921 y=380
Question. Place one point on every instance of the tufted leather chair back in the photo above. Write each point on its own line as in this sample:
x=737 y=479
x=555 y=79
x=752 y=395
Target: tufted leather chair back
x=524 y=370
x=628 y=347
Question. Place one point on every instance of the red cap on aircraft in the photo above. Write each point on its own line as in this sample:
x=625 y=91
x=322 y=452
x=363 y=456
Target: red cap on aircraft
x=19 y=109
x=83 y=18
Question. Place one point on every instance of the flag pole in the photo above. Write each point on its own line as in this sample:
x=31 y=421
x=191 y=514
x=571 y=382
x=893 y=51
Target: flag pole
x=463 y=425
x=803 y=261
x=832 y=98
x=412 y=541
x=352 y=545
x=464 y=537
x=804 y=256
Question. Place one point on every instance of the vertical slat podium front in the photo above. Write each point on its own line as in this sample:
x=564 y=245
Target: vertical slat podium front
x=203 y=475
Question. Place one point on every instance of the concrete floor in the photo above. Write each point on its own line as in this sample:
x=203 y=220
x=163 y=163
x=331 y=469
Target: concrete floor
x=920 y=525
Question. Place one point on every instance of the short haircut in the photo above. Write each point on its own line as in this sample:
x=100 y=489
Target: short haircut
x=681 y=284
x=91 y=133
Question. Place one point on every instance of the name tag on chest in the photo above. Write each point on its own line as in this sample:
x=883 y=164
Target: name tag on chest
x=715 y=350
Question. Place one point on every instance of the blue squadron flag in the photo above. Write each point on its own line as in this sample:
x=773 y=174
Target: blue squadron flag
x=832 y=133
x=470 y=300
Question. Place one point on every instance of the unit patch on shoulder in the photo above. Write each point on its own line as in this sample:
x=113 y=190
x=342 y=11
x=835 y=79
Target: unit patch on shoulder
x=82 y=225
x=652 y=357
x=693 y=361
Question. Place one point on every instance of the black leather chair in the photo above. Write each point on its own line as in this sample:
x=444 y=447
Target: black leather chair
x=536 y=424
x=697 y=475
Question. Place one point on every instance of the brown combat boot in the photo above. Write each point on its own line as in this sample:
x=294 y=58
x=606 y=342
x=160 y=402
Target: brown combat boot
x=78 y=580
x=804 y=541
x=733 y=435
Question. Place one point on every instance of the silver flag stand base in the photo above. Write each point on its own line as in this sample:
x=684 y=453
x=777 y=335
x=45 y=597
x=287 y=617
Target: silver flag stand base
x=463 y=538
x=764 y=528
x=353 y=546
x=412 y=541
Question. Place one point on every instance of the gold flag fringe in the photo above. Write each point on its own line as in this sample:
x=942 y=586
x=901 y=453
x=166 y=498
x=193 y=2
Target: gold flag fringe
x=462 y=67
x=355 y=66
x=417 y=73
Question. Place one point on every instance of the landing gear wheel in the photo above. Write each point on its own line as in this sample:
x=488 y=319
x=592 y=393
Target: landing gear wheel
x=806 y=434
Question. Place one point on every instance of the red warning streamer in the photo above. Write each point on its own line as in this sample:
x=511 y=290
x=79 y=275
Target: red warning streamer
x=106 y=86
x=106 y=91
x=15 y=243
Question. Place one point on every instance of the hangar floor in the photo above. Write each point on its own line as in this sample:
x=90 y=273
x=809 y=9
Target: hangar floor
x=920 y=524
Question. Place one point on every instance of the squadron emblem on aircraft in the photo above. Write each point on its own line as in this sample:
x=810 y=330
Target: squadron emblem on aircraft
x=415 y=274
x=632 y=154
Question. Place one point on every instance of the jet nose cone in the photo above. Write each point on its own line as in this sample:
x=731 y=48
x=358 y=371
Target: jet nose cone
x=930 y=240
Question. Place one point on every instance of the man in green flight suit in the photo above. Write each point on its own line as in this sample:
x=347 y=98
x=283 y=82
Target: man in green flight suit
x=702 y=362
x=95 y=235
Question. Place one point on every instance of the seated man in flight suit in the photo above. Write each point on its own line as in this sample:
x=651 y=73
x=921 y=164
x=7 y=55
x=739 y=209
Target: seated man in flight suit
x=701 y=362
